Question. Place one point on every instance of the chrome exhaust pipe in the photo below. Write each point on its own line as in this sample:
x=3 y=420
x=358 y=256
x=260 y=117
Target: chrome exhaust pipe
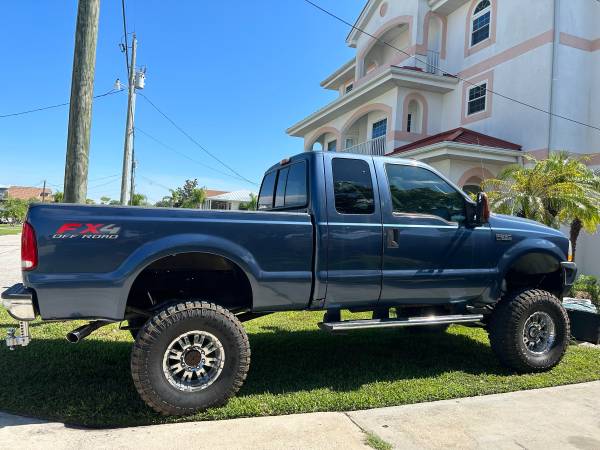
x=78 y=334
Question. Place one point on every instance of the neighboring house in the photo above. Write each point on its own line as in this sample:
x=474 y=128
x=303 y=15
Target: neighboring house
x=227 y=200
x=27 y=193
x=433 y=102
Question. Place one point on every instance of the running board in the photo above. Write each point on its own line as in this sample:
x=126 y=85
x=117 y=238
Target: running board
x=395 y=323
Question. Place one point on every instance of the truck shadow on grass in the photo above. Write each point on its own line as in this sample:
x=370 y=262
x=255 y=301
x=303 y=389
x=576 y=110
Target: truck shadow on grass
x=89 y=383
x=284 y=361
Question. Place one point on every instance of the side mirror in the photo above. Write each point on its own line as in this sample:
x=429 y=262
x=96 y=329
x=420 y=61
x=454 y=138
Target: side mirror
x=483 y=208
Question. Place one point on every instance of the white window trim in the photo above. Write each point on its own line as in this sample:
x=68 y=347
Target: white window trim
x=476 y=16
x=475 y=85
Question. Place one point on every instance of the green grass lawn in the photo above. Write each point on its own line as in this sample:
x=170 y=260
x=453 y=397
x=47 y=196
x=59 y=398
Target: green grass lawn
x=295 y=368
x=9 y=229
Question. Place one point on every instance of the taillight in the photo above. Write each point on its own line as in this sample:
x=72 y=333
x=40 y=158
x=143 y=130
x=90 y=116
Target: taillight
x=29 y=256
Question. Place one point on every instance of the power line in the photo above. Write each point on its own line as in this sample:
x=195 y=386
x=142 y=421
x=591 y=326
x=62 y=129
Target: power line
x=103 y=184
x=182 y=131
x=125 y=34
x=168 y=147
x=536 y=108
x=44 y=108
x=151 y=181
x=105 y=178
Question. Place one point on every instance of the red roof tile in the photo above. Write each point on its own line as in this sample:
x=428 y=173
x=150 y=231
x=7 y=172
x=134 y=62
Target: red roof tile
x=460 y=135
x=212 y=192
x=26 y=193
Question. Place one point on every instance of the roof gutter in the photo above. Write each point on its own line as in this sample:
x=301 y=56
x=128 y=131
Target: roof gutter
x=554 y=73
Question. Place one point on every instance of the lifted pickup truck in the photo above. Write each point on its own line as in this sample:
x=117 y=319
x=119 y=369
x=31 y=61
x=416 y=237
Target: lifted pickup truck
x=334 y=231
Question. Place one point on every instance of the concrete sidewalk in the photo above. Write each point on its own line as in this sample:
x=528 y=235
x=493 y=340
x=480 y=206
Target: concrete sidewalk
x=10 y=260
x=553 y=418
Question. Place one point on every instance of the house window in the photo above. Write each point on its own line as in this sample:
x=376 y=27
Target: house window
x=480 y=25
x=414 y=117
x=332 y=146
x=217 y=204
x=477 y=98
x=379 y=129
x=349 y=87
x=349 y=143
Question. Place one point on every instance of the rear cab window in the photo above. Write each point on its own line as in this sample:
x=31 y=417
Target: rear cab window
x=285 y=188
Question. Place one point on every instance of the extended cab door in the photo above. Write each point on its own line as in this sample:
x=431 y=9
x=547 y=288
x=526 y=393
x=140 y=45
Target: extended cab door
x=355 y=232
x=429 y=253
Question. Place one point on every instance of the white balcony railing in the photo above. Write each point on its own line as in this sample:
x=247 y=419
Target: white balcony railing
x=433 y=62
x=374 y=147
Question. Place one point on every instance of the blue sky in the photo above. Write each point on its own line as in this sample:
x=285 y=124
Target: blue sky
x=234 y=75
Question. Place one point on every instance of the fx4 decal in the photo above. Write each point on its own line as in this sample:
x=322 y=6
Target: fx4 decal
x=87 y=231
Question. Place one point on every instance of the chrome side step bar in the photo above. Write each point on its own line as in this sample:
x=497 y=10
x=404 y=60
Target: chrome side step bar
x=396 y=323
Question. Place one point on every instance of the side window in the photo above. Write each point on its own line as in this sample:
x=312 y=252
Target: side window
x=416 y=191
x=265 y=197
x=280 y=192
x=295 y=191
x=352 y=186
x=290 y=186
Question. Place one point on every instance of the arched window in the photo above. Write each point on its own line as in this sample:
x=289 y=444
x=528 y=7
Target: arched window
x=414 y=117
x=472 y=186
x=317 y=146
x=480 y=23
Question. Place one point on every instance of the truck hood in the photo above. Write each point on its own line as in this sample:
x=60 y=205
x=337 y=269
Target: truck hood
x=502 y=222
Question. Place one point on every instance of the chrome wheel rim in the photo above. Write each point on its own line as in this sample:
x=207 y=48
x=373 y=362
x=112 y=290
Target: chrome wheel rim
x=539 y=333
x=193 y=361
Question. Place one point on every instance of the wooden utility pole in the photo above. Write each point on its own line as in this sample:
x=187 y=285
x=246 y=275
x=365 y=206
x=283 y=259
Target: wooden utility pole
x=127 y=150
x=80 y=109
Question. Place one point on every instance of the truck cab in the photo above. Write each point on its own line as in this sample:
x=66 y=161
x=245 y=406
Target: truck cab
x=396 y=233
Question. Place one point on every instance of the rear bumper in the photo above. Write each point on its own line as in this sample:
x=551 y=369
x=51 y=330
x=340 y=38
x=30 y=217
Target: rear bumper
x=569 y=273
x=18 y=301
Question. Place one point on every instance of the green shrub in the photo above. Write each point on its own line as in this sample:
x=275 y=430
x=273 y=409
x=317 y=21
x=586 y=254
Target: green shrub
x=588 y=284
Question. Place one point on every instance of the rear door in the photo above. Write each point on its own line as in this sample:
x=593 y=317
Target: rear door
x=355 y=232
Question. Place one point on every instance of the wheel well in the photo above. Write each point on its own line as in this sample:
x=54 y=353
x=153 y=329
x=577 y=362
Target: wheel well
x=535 y=271
x=187 y=276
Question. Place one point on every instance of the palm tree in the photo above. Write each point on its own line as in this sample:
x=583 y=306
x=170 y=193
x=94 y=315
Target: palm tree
x=253 y=203
x=139 y=200
x=555 y=191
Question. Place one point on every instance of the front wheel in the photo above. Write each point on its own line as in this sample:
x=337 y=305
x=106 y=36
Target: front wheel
x=529 y=331
x=189 y=357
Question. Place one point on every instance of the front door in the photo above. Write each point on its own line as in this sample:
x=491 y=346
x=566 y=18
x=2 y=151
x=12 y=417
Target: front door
x=355 y=232
x=430 y=255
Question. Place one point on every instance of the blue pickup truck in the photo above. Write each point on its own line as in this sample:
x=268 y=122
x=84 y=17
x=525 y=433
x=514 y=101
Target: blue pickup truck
x=332 y=232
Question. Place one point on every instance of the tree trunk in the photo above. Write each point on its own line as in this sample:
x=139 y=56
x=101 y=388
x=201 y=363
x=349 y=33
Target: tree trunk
x=574 y=234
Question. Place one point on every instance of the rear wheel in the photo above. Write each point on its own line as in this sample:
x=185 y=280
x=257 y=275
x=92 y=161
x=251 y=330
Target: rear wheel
x=529 y=331
x=189 y=357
